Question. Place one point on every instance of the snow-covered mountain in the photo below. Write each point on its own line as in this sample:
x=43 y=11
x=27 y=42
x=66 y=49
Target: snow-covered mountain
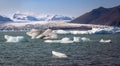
x=31 y=17
x=4 y=19
x=24 y=17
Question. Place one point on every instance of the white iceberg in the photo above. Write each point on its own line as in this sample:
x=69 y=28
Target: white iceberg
x=76 y=39
x=78 y=32
x=47 y=34
x=105 y=41
x=67 y=40
x=61 y=31
x=59 y=54
x=15 y=38
x=85 y=39
x=52 y=41
x=63 y=40
x=33 y=33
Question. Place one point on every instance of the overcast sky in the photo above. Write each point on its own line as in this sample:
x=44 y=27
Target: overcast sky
x=73 y=8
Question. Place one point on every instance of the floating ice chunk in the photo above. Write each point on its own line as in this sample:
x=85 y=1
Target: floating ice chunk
x=63 y=40
x=105 y=41
x=61 y=31
x=66 y=40
x=15 y=38
x=79 y=32
x=59 y=54
x=47 y=34
x=76 y=39
x=52 y=41
x=34 y=33
x=85 y=39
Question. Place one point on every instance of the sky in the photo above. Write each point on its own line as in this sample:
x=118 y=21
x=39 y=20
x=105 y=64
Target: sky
x=72 y=8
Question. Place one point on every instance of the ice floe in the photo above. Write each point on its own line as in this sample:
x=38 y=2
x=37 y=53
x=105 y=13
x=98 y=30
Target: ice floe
x=61 y=31
x=84 y=39
x=63 y=40
x=76 y=39
x=15 y=38
x=105 y=41
x=59 y=54
x=68 y=40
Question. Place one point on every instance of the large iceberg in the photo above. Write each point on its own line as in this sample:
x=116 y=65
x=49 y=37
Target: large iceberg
x=59 y=54
x=47 y=34
x=33 y=33
x=15 y=38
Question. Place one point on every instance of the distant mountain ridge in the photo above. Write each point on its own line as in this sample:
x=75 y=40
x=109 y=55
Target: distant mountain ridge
x=29 y=17
x=4 y=19
x=101 y=16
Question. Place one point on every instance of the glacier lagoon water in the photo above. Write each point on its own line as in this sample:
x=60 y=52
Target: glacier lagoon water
x=38 y=53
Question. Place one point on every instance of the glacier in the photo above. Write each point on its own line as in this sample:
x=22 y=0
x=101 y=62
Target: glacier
x=109 y=30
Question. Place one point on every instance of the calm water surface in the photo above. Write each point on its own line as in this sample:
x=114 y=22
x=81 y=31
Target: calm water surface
x=38 y=53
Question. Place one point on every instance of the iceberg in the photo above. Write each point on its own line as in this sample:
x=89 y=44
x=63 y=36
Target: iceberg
x=33 y=33
x=15 y=38
x=52 y=41
x=63 y=40
x=67 y=40
x=78 y=32
x=105 y=41
x=59 y=54
x=61 y=31
x=76 y=39
x=47 y=34
x=84 y=39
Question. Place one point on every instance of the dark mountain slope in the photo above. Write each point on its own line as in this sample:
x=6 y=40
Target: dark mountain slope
x=101 y=16
x=4 y=19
